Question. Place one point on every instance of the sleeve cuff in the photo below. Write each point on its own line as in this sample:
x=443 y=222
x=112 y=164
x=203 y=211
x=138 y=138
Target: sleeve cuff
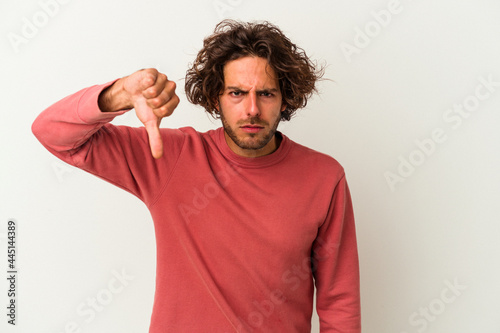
x=88 y=107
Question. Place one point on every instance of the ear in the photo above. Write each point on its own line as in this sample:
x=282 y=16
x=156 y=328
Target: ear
x=216 y=105
x=283 y=107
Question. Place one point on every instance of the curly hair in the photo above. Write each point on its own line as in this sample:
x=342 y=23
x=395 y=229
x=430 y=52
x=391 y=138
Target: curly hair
x=231 y=40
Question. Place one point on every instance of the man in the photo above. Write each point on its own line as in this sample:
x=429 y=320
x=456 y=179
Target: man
x=246 y=220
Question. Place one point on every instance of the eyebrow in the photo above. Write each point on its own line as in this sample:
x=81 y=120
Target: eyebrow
x=270 y=90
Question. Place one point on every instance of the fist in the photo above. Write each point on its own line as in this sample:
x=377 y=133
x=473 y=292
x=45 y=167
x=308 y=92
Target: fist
x=152 y=96
x=150 y=90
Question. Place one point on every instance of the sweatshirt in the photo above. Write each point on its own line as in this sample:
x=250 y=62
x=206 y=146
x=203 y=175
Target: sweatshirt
x=242 y=243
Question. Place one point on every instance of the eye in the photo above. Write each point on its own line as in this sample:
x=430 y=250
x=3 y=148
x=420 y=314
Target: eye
x=266 y=94
x=235 y=93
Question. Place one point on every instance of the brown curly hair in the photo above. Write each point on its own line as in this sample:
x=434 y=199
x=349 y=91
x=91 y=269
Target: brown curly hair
x=231 y=40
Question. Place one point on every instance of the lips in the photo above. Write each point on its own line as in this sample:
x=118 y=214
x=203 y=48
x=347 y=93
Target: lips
x=251 y=128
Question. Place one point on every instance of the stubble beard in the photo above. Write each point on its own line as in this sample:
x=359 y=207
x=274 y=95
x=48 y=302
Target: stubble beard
x=250 y=144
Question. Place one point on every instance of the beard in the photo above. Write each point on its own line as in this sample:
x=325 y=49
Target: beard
x=251 y=141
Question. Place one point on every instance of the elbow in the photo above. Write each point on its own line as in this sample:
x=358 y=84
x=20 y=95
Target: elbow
x=43 y=130
x=37 y=129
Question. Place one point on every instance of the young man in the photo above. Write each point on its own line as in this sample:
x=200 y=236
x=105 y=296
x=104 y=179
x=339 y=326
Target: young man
x=246 y=220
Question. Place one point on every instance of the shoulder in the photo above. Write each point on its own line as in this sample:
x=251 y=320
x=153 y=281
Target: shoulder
x=311 y=160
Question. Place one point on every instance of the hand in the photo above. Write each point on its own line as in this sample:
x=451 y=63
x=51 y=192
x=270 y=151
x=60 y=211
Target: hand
x=152 y=96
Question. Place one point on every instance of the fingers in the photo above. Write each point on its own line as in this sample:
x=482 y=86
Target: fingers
x=160 y=94
x=148 y=78
x=153 y=98
x=155 y=141
x=168 y=108
x=153 y=83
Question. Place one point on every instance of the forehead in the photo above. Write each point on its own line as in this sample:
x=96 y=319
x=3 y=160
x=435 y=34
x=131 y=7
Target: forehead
x=249 y=72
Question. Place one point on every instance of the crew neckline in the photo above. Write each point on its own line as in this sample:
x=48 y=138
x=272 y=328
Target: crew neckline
x=253 y=162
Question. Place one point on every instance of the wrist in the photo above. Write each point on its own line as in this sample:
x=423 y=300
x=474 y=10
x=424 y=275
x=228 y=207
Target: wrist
x=114 y=98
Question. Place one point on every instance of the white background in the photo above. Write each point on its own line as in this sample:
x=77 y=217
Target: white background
x=438 y=227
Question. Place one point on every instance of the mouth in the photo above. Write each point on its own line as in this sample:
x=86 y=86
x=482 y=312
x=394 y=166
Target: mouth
x=251 y=128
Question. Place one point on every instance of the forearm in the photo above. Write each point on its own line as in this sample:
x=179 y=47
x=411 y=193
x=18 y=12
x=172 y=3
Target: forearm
x=337 y=268
x=338 y=296
x=114 y=98
x=66 y=125
x=76 y=130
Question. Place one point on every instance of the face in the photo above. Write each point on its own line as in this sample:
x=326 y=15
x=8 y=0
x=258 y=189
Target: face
x=250 y=106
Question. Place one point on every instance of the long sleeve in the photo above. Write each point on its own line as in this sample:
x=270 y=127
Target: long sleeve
x=336 y=268
x=76 y=131
x=233 y=235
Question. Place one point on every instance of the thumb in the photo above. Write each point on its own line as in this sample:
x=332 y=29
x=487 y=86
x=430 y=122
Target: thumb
x=148 y=79
x=155 y=141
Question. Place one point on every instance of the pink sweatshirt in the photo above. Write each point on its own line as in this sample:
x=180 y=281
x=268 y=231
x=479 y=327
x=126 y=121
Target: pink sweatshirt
x=241 y=242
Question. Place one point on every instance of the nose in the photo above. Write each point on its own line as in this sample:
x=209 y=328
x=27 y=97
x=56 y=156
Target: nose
x=253 y=109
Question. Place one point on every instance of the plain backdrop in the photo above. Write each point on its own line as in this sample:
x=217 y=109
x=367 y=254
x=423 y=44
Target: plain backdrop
x=410 y=109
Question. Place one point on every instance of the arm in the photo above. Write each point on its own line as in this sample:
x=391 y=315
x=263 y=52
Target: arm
x=336 y=270
x=76 y=130
x=151 y=94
